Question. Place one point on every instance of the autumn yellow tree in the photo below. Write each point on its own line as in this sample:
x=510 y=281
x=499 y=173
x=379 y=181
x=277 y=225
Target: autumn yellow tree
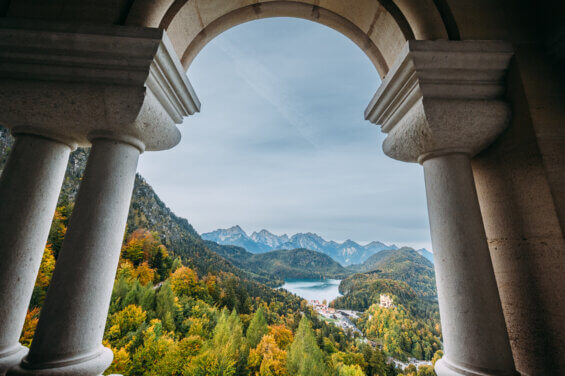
x=305 y=357
x=185 y=282
x=121 y=364
x=32 y=317
x=144 y=274
x=267 y=359
x=350 y=370
x=59 y=227
x=43 y=277
x=144 y=246
x=123 y=322
x=133 y=249
x=223 y=355
x=257 y=328
x=282 y=335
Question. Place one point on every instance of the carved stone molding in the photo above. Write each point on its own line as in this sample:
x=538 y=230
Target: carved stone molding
x=68 y=81
x=442 y=96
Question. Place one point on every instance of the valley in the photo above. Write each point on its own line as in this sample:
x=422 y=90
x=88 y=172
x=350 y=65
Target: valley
x=177 y=297
x=407 y=331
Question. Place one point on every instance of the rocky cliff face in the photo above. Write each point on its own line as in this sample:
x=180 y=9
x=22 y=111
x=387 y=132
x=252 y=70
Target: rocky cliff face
x=148 y=211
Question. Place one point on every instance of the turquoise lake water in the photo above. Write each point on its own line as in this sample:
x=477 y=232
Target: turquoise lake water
x=313 y=289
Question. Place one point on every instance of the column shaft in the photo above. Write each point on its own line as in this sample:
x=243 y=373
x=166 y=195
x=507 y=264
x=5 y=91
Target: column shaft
x=474 y=331
x=71 y=325
x=29 y=189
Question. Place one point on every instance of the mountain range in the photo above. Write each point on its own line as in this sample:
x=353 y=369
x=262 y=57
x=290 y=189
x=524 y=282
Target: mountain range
x=282 y=264
x=346 y=253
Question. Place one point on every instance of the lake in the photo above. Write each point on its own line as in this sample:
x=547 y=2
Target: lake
x=313 y=289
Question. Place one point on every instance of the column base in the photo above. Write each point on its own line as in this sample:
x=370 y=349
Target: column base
x=84 y=366
x=12 y=357
x=444 y=367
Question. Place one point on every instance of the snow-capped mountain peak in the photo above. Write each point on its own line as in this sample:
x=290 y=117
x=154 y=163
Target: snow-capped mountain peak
x=346 y=253
x=268 y=238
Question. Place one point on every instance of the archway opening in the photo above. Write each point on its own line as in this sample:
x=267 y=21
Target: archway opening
x=287 y=146
x=281 y=145
x=283 y=101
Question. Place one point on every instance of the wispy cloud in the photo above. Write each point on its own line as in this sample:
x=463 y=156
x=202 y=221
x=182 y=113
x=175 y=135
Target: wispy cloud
x=281 y=142
x=264 y=82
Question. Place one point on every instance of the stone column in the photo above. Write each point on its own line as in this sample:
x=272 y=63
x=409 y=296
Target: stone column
x=122 y=90
x=29 y=189
x=69 y=334
x=441 y=103
x=474 y=332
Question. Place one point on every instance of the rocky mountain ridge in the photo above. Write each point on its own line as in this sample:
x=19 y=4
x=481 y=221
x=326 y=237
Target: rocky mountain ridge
x=346 y=253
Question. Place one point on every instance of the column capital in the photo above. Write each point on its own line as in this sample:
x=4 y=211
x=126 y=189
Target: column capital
x=441 y=97
x=74 y=80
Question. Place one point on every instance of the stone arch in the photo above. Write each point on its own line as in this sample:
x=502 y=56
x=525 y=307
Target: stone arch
x=379 y=28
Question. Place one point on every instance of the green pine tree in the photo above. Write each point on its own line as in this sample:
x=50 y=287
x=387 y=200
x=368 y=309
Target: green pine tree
x=165 y=306
x=305 y=357
x=257 y=328
x=224 y=354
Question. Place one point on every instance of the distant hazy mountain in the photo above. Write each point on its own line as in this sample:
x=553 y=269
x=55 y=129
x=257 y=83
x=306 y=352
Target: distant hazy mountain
x=236 y=236
x=282 y=264
x=271 y=240
x=346 y=253
x=427 y=254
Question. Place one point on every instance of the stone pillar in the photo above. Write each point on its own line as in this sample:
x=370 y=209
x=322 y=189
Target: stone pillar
x=68 y=339
x=440 y=104
x=29 y=189
x=471 y=314
x=122 y=90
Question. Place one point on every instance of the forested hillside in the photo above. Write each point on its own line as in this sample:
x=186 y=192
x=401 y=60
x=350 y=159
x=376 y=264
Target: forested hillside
x=148 y=212
x=283 y=264
x=179 y=308
x=411 y=327
x=404 y=264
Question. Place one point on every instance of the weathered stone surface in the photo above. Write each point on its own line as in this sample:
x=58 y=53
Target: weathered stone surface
x=474 y=331
x=442 y=96
x=526 y=246
x=442 y=103
x=69 y=333
x=70 y=81
x=367 y=23
x=29 y=187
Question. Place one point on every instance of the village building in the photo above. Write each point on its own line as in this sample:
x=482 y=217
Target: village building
x=386 y=301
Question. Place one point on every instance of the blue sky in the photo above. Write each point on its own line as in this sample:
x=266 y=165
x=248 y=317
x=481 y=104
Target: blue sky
x=281 y=143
